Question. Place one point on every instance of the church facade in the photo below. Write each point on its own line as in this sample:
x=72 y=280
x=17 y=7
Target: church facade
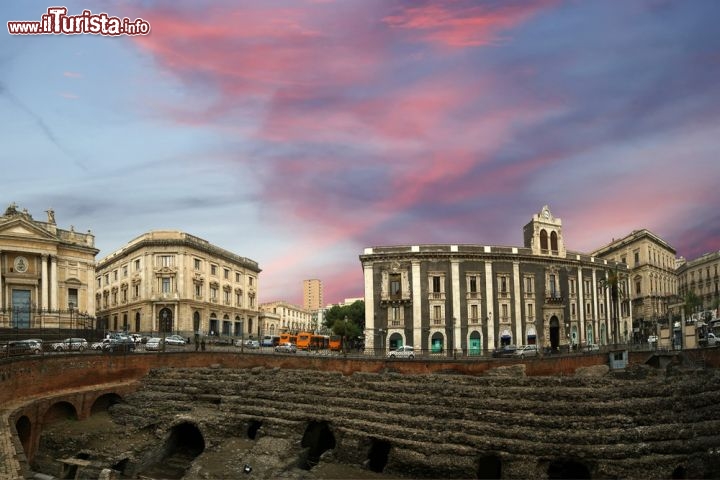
x=46 y=273
x=473 y=299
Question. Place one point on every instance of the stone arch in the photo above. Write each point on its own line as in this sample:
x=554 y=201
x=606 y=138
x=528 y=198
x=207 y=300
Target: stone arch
x=59 y=411
x=253 y=429
x=554 y=333
x=317 y=439
x=679 y=472
x=104 y=402
x=566 y=468
x=475 y=346
x=489 y=466
x=378 y=455
x=437 y=342
x=395 y=340
x=23 y=426
x=184 y=443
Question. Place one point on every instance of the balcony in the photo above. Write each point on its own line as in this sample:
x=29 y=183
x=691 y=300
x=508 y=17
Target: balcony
x=437 y=321
x=554 y=300
x=436 y=296
x=472 y=295
x=395 y=299
x=474 y=320
x=396 y=323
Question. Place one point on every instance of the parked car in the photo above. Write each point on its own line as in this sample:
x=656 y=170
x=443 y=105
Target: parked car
x=403 y=351
x=248 y=343
x=99 y=345
x=504 y=351
x=21 y=347
x=652 y=339
x=120 y=344
x=70 y=344
x=153 y=344
x=286 y=348
x=175 y=340
x=526 y=351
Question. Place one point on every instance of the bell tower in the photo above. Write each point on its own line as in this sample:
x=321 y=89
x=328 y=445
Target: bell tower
x=544 y=234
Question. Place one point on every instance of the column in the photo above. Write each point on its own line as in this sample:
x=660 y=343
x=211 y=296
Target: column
x=44 y=282
x=53 y=283
x=370 y=328
x=417 y=302
x=2 y=289
x=582 y=339
x=520 y=339
x=596 y=331
x=489 y=306
x=457 y=314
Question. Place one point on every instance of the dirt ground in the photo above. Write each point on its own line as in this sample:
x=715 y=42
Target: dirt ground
x=223 y=461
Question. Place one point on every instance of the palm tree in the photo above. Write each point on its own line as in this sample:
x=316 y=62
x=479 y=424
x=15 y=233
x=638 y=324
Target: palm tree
x=612 y=283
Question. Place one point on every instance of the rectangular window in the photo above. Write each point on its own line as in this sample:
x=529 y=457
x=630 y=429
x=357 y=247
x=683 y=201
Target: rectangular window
x=136 y=290
x=115 y=275
x=503 y=284
x=226 y=274
x=137 y=265
x=437 y=312
x=637 y=258
x=637 y=287
x=436 y=284
x=553 y=291
x=213 y=269
x=226 y=297
x=197 y=264
x=165 y=261
x=124 y=295
x=107 y=279
x=213 y=293
x=198 y=290
x=125 y=270
x=72 y=298
x=238 y=299
x=165 y=285
x=250 y=281
x=504 y=309
x=473 y=284
x=237 y=277
x=395 y=313
x=529 y=284
x=99 y=282
x=474 y=312
x=395 y=286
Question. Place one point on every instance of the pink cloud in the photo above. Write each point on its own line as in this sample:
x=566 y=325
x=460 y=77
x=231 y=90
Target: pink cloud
x=69 y=96
x=458 y=24
x=72 y=75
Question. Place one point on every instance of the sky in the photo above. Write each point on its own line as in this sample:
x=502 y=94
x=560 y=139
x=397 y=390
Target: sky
x=297 y=133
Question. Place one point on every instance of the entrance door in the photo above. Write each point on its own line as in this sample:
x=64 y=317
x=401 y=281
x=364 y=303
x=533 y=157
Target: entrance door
x=21 y=308
x=554 y=333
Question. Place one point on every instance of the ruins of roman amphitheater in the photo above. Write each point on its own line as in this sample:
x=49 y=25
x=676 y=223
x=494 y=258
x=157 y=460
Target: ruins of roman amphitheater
x=228 y=415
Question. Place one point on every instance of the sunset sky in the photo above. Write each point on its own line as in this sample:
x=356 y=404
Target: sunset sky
x=297 y=133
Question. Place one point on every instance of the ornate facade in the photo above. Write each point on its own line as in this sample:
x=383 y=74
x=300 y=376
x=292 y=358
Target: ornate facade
x=470 y=299
x=702 y=277
x=46 y=273
x=175 y=282
x=290 y=318
x=653 y=281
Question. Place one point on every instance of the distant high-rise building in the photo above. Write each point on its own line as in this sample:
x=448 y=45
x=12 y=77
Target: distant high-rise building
x=312 y=294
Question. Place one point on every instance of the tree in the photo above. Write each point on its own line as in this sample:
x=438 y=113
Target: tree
x=691 y=303
x=347 y=321
x=612 y=283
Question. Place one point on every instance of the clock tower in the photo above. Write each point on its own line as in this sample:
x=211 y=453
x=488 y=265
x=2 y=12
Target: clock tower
x=544 y=234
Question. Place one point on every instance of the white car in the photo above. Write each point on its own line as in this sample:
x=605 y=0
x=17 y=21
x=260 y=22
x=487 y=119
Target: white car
x=76 y=344
x=153 y=344
x=526 y=351
x=247 y=344
x=403 y=351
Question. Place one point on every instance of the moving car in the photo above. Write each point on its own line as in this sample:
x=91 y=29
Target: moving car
x=247 y=343
x=70 y=344
x=403 y=351
x=99 y=345
x=286 y=348
x=526 y=351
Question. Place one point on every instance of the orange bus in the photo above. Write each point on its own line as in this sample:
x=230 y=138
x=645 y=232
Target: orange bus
x=311 y=341
x=288 y=338
x=335 y=343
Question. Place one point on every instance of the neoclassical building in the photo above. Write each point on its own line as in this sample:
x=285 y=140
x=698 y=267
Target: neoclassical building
x=653 y=282
x=471 y=299
x=290 y=318
x=702 y=277
x=46 y=273
x=175 y=282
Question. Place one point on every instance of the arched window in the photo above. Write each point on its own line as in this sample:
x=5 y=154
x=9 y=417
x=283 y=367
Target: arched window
x=553 y=242
x=543 y=240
